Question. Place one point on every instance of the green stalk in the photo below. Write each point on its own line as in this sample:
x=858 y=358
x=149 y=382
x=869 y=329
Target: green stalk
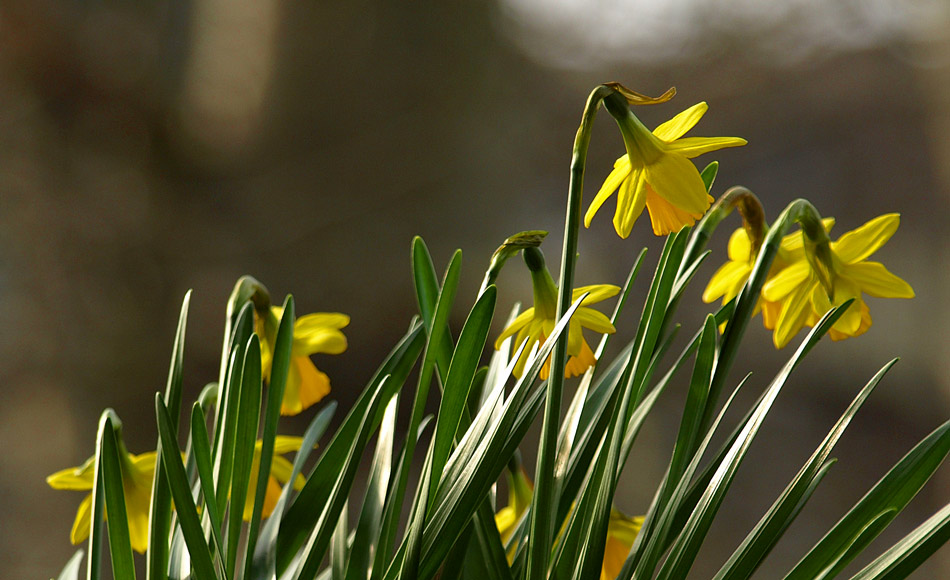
x=541 y=525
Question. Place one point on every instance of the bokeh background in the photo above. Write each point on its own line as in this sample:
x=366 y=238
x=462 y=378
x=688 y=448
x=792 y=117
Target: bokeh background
x=151 y=147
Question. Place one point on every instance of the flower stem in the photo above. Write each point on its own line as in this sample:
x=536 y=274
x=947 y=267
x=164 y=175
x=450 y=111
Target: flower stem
x=541 y=525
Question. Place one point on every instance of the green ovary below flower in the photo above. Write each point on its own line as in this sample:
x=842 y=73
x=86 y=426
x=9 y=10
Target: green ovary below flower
x=137 y=475
x=313 y=333
x=656 y=174
x=732 y=276
x=805 y=299
x=535 y=324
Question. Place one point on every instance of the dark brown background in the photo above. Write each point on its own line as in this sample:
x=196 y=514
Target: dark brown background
x=148 y=148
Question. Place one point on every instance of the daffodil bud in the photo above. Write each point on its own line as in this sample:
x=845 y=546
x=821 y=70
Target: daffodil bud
x=247 y=288
x=508 y=248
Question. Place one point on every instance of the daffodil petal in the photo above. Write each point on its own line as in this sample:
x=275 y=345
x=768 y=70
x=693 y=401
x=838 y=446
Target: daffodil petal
x=72 y=478
x=613 y=181
x=676 y=179
x=681 y=123
x=630 y=202
x=794 y=314
x=137 y=503
x=690 y=147
x=740 y=247
x=517 y=324
x=594 y=320
x=726 y=281
x=858 y=244
x=597 y=293
x=318 y=321
x=145 y=462
x=875 y=280
x=81 y=524
x=285 y=444
x=786 y=281
x=319 y=340
x=574 y=337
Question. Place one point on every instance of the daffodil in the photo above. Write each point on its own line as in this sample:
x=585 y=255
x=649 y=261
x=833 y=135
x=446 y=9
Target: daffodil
x=805 y=299
x=313 y=333
x=656 y=173
x=280 y=471
x=137 y=474
x=535 y=324
x=622 y=530
x=732 y=276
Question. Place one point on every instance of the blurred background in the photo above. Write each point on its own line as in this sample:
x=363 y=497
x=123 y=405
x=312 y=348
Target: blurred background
x=151 y=147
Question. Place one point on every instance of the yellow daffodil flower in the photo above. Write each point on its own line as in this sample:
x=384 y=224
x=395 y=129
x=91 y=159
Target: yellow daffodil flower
x=622 y=530
x=732 y=276
x=805 y=299
x=137 y=474
x=280 y=472
x=313 y=333
x=656 y=173
x=535 y=324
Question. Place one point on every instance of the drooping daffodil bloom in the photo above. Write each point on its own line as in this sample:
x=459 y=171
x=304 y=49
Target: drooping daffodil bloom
x=732 y=276
x=622 y=530
x=805 y=299
x=535 y=324
x=313 y=333
x=137 y=474
x=656 y=173
x=280 y=471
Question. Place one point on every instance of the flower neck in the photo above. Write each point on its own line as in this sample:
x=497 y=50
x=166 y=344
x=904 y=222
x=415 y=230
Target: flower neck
x=545 y=292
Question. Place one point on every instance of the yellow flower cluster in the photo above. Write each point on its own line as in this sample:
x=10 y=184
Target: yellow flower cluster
x=794 y=295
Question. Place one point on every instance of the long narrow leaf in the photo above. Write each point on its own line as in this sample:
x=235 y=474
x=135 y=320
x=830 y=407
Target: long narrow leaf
x=769 y=530
x=161 y=506
x=280 y=368
x=181 y=492
x=306 y=508
x=120 y=543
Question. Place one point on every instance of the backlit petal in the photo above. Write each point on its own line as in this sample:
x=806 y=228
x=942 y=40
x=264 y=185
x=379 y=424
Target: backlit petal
x=740 y=247
x=786 y=281
x=517 y=324
x=681 y=123
x=594 y=320
x=597 y=293
x=676 y=179
x=795 y=312
x=74 y=478
x=630 y=203
x=319 y=340
x=690 y=147
x=858 y=244
x=82 y=522
x=726 y=281
x=875 y=280
x=613 y=181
